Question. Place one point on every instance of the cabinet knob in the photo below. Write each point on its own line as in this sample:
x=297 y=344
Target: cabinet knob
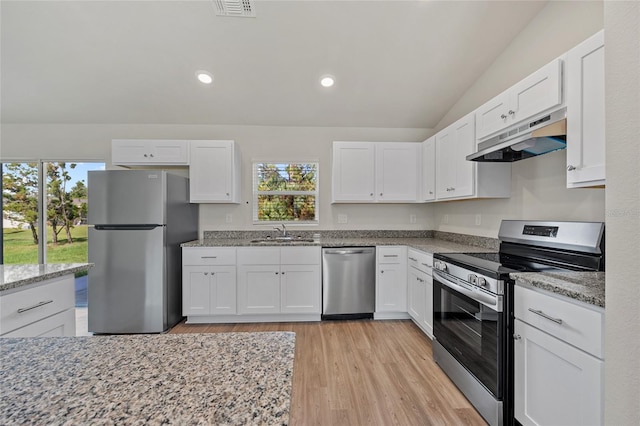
x=283 y=273
x=511 y=112
x=381 y=194
x=277 y=273
x=371 y=194
x=382 y=272
x=570 y=168
x=503 y=116
x=206 y=273
x=151 y=155
x=145 y=156
x=227 y=194
x=430 y=192
x=517 y=337
x=213 y=273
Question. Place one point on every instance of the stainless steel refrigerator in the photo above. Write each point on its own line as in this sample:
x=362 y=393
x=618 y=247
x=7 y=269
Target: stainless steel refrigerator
x=137 y=218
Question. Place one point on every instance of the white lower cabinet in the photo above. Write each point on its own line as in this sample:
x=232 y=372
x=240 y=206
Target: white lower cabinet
x=557 y=383
x=420 y=290
x=391 y=282
x=43 y=309
x=209 y=290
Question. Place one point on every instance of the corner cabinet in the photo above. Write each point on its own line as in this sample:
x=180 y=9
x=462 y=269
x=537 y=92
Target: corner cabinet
x=533 y=95
x=214 y=172
x=585 y=114
x=149 y=152
x=45 y=309
x=457 y=178
x=368 y=172
x=391 y=282
x=559 y=366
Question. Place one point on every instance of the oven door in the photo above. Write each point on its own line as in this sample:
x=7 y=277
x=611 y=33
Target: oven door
x=470 y=330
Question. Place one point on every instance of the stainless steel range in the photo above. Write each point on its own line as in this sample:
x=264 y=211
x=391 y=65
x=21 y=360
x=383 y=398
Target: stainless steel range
x=473 y=304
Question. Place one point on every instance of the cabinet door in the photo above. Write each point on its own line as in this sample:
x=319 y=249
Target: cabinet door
x=397 y=171
x=416 y=297
x=427 y=319
x=492 y=116
x=391 y=295
x=353 y=171
x=223 y=290
x=196 y=290
x=555 y=383
x=536 y=93
x=211 y=171
x=455 y=176
x=585 y=114
x=429 y=169
x=259 y=289
x=129 y=151
x=149 y=151
x=300 y=289
x=169 y=152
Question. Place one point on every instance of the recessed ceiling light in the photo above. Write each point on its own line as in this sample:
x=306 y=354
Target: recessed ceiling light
x=204 y=77
x=327 y=80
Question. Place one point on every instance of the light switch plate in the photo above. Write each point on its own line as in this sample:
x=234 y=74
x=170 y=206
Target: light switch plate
x=445 y=219
x=478 y=220
x=342 y=218
x=229 y=218
x=412 y=218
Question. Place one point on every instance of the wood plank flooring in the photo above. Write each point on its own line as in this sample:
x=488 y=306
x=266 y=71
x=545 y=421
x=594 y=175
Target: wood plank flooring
x=363 y=373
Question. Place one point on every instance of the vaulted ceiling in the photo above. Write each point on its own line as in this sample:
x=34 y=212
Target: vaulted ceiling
x=396 y=63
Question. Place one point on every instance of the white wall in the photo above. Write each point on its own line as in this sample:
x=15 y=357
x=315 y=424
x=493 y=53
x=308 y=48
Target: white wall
x=92 y=142
x=622 y=350
x=538 y=185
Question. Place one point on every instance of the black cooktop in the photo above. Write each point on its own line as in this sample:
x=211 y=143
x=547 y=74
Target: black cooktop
x=495 y=265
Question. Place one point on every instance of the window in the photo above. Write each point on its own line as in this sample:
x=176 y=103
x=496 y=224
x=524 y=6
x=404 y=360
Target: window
x=285 y=192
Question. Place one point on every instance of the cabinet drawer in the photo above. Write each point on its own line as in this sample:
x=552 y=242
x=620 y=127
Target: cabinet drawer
x=300 y=255
x=259 y=256
x=577 y=325
x=420 y=260
x=33 y=304
x=390 y=254
x=62 y=324
x=208 y=256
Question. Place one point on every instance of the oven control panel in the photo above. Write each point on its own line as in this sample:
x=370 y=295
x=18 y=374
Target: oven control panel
x=540 y=231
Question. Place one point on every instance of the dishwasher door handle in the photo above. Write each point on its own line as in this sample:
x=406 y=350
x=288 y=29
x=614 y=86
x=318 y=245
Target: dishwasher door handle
x=344 y=252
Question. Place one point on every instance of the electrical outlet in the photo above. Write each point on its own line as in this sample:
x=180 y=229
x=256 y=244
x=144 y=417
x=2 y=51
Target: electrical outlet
x=412 y=218
x=229 y=218
x=342 y=218
x=478 y=220
x=445 y=219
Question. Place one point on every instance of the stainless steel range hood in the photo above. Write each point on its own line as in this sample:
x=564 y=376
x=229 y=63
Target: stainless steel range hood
x=546 y=134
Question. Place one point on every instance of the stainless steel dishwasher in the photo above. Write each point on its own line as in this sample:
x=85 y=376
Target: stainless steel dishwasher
x=348 y=282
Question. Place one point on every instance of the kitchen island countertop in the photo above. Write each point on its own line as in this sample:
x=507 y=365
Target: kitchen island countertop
x=16 y=276
x=223 y=378
x=586 y=287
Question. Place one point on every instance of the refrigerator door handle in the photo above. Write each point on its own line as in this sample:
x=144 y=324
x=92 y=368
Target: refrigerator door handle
x=142 y=227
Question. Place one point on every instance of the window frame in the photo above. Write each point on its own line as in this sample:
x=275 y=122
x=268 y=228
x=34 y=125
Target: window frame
x=256 y=193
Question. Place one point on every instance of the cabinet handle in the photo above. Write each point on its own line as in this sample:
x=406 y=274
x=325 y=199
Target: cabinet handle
x=428 y=266
x=543 y=315
x=517 y=337
x=208 y=257
x=414 y=259
x=570 y=168
x=511 y=112
x=389 y=255
x=503 y=116
x=420 y=279
x=37 y=305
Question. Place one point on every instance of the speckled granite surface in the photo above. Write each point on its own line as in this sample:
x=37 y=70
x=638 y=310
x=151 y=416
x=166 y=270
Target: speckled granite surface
x=422 y=240
x=587 y=287
x=182 y=379
x=14 y=276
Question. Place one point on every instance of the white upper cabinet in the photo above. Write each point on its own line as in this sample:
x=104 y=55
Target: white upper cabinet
x=141 y=152
x=375 y=172
x=585 y=114
x=534 y=95
x=353 y=177
x=457 y=178
x=214 y=172
x=428 y=169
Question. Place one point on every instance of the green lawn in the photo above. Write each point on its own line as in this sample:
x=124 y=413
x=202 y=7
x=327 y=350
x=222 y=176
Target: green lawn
x=19 y=247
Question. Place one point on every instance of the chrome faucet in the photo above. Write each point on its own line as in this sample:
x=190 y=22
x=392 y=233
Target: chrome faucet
x=283 y=231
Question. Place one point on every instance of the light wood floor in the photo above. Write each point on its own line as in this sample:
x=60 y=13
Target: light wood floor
x=363 y=373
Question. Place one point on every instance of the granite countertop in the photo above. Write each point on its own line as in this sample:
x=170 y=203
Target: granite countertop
x=224 y=378
x=430 y=245
x=586 y=287
x=14 y=276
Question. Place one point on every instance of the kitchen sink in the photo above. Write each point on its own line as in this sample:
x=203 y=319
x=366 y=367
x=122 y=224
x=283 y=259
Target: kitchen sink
x=286 y=240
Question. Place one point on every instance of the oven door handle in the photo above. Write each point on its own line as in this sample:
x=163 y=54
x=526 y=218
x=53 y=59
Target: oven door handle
x=489 y=301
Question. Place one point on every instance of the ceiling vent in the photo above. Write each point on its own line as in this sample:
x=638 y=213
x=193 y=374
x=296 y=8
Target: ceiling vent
x=239 y=8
